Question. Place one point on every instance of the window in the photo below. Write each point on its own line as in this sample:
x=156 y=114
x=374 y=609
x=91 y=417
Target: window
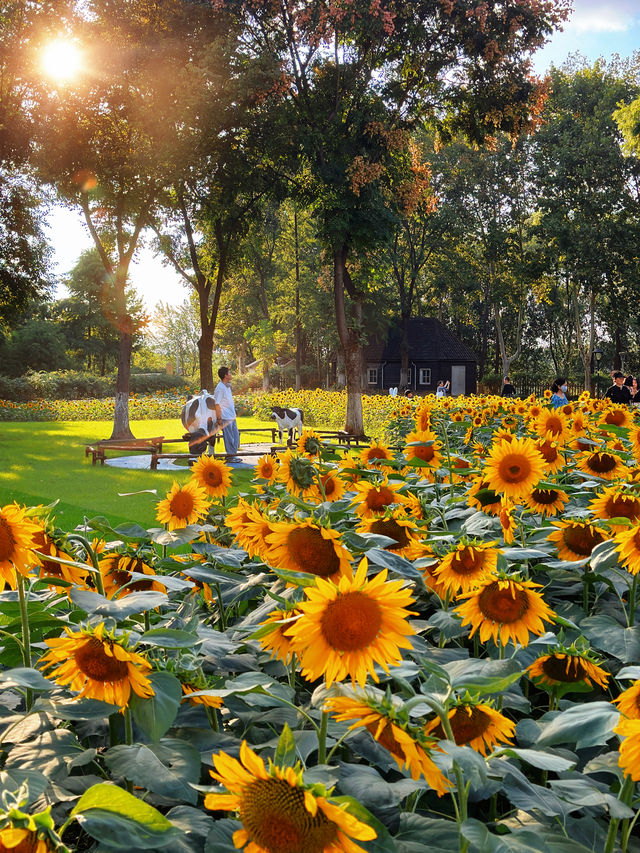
x=425 y=376
x=372 y=375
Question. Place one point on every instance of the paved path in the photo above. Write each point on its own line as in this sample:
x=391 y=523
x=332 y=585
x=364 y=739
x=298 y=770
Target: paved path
x=142 y=461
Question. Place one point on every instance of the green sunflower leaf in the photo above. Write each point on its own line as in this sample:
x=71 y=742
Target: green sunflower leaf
x=118 y=819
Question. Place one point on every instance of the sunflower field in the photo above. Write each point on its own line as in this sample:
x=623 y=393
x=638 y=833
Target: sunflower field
x=426 y=645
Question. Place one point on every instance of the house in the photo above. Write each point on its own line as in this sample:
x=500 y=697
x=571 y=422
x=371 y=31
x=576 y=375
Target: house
x=434 y=353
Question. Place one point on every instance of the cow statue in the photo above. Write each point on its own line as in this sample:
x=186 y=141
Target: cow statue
x=198 y=417
x=289 y=420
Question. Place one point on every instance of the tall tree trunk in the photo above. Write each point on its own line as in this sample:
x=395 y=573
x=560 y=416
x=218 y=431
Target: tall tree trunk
x=586 y=349
x=205 y=360
x=404 y=352
x=121 y=427
x=298 y=324
x=349 y=335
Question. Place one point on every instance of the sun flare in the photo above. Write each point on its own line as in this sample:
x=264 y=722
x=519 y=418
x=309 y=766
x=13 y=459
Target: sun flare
x=61 y=60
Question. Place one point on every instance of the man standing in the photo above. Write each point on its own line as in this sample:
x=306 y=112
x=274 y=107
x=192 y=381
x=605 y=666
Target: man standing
x=226 y=414
x=508 y=389
x=618 y=393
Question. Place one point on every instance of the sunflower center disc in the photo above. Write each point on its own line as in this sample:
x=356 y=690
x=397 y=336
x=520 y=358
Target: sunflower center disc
x=602 y=463
x=623 y=508
x=468 y=726
x=544 y=496
x=466 y=562
x=351 y=622
x=387 y=739
x=275 y=817
x=582 y=540
x=379 y=498
x=502 y=605
x=393 y=530
x=181 y=505
x=212 y=477
x=7 y=542
x=425 y=453
x=312 y=553
x=567 y=670
x=515 y=469
x=96 y=664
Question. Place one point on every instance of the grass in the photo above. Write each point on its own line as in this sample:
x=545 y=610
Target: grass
x=42 y=462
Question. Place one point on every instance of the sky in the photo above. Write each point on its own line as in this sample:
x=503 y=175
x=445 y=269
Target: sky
x=596 y=28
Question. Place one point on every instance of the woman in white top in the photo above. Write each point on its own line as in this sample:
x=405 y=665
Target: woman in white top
x=443 y=388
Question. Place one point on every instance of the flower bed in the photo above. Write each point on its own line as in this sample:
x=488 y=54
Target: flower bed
x=427 y=649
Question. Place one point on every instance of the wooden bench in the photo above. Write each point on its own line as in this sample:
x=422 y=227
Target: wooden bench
x=123 y=445
x=345 y=438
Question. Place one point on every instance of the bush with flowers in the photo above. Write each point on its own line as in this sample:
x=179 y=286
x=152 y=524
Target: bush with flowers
x=426 y=648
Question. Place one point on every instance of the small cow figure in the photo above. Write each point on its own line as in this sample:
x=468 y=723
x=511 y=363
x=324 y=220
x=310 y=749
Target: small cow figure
x=199 y=419
x=289 y=420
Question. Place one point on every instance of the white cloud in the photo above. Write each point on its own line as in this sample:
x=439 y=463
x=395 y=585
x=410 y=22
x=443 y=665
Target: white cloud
x=596 y=16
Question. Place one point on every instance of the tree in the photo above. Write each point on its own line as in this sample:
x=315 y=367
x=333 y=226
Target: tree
x=355 y=74
x=174 y=333
x=88 y=316
x=588 y=199
x=109 y=144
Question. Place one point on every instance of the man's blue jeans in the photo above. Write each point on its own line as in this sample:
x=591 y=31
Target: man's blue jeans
x=231 y=438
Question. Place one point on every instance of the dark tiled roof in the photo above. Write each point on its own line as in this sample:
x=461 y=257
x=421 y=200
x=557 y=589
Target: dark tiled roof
x=429 y=340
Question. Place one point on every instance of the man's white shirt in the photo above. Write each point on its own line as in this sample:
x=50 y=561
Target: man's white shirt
x=223 y=397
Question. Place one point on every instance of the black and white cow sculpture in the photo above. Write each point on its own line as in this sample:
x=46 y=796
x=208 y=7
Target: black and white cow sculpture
x=198 y=417
x=289 y=420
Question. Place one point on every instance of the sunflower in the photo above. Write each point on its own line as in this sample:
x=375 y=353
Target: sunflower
x=407 y=744
x=424 y=447
x=333 y=486
x=629 y=759
x=575 y=539
x=272 y=634
x=615 y=502
x=514 y=469
x=97 y=666
x=375 y=455
x=212 y=475
x=17 y=534
x=267 y=468
x=15 y=839
x=310 y=443
x=474 y=724
x=50 y=568
x=483 y=498
x=547 y=501
x=628 y=701
x=298 y=474
x=423 y=418
x=634 y=439
x=350 y=469
x=116 y=571
x=507 y=521
x=237 y=520
x=560 y=667
x=254 y=534
x=628 y=546
x=398 y=527
x=279 y=813
x=23 y=832
x=183 y=505
x=375 y=498
x=467 y=565
x=415 y=508
x=346 y=628
x=579 y=424
x=305 y=546
x=505 y=609
x=601 y=463
x=617 y=416
x=553 y=460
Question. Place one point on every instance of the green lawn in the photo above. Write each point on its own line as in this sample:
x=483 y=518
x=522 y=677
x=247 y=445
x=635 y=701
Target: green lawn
x=42 y=462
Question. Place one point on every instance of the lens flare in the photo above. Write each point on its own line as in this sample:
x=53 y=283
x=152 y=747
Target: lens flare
x=61 y=60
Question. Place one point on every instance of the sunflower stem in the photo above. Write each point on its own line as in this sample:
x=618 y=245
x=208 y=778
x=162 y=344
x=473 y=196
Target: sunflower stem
x=212 y=716
x=445 y=435
x=128 y=739
x=633 y=593
x=221 y=620
x=26 y=637
x=322 y=738
x=292 y=672
x=147 y=621
x=91 y=554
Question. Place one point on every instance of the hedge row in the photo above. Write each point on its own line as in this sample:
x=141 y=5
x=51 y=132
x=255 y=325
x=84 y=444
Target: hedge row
x=74 y=385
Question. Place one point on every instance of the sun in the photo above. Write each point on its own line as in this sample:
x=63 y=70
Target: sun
x=61 y=60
